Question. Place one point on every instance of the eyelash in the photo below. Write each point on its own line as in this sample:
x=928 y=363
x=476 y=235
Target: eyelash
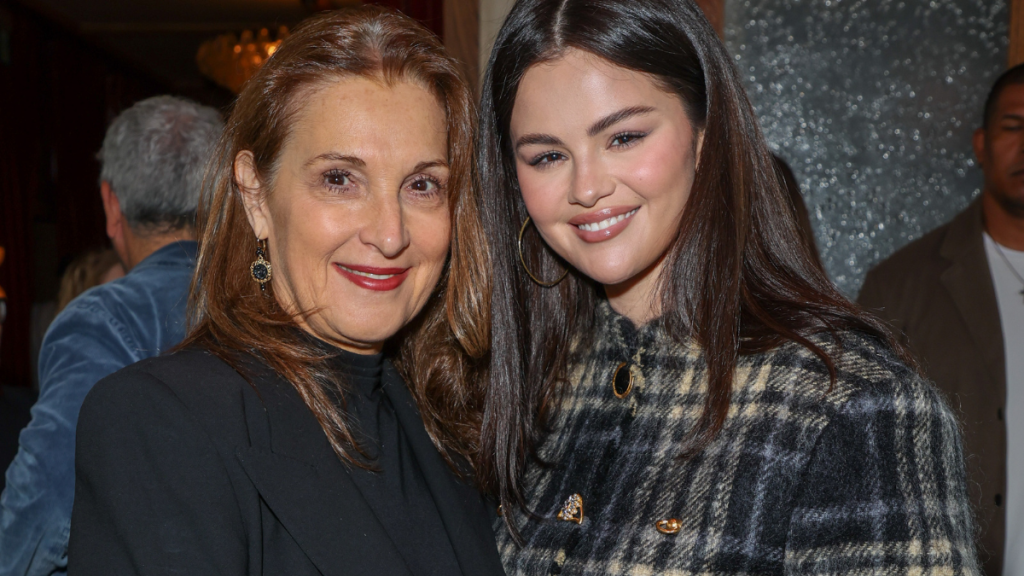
x=438 y=186
x=553 y=156
x=334 y=174
x=635 y=136
x=539 y=159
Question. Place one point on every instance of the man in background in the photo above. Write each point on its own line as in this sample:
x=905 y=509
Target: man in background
x=153 y=158
x=957 y=295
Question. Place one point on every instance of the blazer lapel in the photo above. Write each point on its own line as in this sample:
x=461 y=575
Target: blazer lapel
x=969 y=283
x=308 y=488
x=462 y=509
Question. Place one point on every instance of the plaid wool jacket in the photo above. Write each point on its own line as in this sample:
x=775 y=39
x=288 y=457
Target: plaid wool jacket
x=863 y=477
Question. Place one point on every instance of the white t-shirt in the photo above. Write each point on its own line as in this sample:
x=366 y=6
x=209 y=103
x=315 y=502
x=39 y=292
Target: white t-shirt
x=1011 y=318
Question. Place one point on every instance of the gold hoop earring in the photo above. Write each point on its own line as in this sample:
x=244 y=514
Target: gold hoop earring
x=260 y=270
x=522 y=261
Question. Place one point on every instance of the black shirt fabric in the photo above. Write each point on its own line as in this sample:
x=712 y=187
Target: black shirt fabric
x=396 y=486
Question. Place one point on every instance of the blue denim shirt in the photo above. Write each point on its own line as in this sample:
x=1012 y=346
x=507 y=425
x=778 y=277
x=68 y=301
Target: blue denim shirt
x=100 y=332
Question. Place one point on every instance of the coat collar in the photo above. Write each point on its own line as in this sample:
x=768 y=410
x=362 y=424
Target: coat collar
x=307 y=487
x=469 y=531
x=969 y=283
x=315 y=496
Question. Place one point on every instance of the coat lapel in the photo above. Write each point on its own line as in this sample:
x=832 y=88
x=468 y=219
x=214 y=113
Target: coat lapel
x=969 y=283
x=462 y=509
x=308 y=488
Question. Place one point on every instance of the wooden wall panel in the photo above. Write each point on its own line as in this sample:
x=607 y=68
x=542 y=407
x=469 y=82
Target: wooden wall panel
x=462 y=35
x=1016 y=51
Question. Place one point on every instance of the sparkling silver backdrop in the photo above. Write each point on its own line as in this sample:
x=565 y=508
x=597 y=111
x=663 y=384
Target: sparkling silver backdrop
x=873 y=104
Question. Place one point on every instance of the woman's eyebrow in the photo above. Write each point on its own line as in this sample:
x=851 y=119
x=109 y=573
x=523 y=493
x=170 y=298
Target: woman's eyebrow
x=432 y=164
x=335 y=157
x=595 y=129
x=616 y=117
x=530 y=139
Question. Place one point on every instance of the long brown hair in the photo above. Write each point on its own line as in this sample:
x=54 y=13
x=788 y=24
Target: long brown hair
x=737 y=278
x=439 y=352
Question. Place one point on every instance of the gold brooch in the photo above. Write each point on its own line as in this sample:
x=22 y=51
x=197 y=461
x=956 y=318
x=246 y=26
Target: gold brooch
x=572 y=510
x=670 y=526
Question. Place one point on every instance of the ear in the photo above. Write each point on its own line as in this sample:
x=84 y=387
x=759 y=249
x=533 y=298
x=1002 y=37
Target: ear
x=979 y=146
x=112 y=210
x=700 y=146
x=254 y=197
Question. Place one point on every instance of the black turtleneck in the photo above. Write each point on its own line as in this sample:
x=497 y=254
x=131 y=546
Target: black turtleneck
x=396 y=485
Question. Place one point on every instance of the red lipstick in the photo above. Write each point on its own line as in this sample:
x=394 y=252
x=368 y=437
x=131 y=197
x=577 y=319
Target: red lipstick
x=372 y=277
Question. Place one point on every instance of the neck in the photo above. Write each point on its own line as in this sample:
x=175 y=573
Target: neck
x=638 y=298
x=1004 y=227
x=138 y=247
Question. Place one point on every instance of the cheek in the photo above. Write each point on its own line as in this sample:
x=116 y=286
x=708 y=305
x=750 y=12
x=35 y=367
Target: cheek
x=542 y=196
x=664 y=173
x=431 y=235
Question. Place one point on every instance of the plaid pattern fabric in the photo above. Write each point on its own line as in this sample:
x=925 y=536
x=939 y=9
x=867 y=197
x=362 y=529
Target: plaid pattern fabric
x=864 y=478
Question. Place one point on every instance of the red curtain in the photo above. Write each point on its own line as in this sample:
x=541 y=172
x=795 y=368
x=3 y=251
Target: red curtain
x=58 y=96
x=428 y=12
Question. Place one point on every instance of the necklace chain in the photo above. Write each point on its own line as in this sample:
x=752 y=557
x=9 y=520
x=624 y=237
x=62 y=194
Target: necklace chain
x=1006 y=260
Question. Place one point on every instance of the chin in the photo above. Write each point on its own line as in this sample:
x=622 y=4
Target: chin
x=609 y=276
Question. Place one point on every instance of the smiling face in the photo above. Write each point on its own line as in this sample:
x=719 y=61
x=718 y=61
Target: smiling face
x=605 y=159
x=357 y=221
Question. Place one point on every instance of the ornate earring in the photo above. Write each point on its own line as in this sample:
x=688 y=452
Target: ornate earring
x=522 y=261
x=260 y=270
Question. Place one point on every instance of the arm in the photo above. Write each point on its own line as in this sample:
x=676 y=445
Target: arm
x=885 y=491
x=152 y=494
x=83 y=345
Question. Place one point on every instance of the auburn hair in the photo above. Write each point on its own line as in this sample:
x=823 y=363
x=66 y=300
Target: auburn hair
x=737 y=278
x=439 y=354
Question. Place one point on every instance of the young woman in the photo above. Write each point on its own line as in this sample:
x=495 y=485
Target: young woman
x=676 y=387
x=314 y=419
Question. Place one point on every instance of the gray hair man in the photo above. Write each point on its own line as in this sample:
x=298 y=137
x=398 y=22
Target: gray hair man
x=153 y=159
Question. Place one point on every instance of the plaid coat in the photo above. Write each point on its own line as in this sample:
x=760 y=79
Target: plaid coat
x=864 y=478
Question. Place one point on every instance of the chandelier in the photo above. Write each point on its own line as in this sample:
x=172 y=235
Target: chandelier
x=230 y=60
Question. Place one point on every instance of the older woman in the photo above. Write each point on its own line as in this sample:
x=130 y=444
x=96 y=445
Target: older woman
x=719 y=407
x=315 y=419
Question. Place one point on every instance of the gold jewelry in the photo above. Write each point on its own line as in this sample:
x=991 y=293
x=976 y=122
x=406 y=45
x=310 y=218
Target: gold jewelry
x=572 y=510
x=622 y=381
x=260 y=270
x=522 y=260
x=669 y=526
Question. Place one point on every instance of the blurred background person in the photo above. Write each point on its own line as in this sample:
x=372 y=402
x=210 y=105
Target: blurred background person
x=89 y=269
x=153 y=157
x=957 y=295
x=86 y=271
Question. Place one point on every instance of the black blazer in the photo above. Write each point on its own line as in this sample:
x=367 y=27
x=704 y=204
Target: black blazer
x=182 y=467
x=937 y=291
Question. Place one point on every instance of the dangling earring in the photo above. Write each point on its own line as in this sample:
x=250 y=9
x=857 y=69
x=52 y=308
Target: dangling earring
x=522 y=261
x=260 y=269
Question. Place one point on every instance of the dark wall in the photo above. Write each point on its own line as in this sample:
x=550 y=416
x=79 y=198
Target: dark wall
x=57 y=95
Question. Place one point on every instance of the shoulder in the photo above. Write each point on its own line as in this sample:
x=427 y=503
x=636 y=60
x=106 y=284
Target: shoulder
x=191 y=381
x=871 y=378
x=916 y=262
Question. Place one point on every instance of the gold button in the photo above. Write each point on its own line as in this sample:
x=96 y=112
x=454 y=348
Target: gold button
x=670 y=526
x=622 y=381
x=501 y=510
x=572 y=510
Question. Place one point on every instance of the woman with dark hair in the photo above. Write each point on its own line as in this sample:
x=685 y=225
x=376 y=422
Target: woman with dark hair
x=675 y=386
x=318 y=416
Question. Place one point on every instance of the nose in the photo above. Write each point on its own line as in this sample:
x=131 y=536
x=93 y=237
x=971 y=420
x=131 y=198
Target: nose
x=384 y=226
x=591 y=182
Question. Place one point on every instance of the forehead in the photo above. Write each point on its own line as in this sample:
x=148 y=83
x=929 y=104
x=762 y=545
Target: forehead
x=578 y=87
x=368 y=117
x=1010 y=101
